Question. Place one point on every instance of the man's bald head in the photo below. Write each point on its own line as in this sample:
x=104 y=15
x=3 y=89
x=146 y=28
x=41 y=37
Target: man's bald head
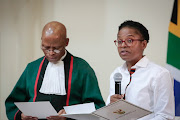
x=54 y=28
x=53 y=40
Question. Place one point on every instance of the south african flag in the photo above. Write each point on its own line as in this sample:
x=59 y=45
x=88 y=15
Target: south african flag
x=173 y=53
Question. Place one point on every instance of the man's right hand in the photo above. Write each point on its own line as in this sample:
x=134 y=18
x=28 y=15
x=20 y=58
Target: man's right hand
x=24 y=117
x=116 y=97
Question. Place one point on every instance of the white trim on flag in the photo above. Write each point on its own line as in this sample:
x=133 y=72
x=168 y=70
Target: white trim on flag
x=174 y=72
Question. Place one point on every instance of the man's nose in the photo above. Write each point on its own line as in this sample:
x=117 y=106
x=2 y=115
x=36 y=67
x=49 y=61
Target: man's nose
x=51 y=52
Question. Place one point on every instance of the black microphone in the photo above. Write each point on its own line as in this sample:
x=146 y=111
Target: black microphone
x=117 y=79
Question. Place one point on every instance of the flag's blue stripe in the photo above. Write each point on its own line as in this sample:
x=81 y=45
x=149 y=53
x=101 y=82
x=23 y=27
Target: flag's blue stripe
x=177 y=97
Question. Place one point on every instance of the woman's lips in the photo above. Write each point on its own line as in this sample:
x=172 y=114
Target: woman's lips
x=124 y=52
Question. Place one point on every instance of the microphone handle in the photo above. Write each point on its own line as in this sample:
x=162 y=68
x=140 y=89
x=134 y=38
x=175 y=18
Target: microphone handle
x=118 y=88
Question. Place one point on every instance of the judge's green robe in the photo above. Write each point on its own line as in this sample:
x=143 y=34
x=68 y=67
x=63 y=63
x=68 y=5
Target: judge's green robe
x=80 y=83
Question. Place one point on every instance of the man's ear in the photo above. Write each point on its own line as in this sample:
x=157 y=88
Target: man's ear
x=67 y=41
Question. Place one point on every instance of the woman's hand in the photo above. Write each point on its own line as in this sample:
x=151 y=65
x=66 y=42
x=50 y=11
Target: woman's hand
x=116 y=97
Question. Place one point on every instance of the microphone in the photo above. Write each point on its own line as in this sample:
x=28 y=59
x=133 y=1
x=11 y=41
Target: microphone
x=117 y=78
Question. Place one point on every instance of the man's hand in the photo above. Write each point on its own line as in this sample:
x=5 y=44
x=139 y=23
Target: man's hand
x=61 y=112
x=116 y=97
x=58 y=117
x=24 y=117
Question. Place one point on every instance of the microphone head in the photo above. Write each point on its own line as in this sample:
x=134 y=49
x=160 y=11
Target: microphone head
x=117 y=77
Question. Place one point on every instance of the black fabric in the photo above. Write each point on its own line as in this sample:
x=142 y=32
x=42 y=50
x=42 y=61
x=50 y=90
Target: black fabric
x=57 y=101
x=67 y=61
x=18 y=115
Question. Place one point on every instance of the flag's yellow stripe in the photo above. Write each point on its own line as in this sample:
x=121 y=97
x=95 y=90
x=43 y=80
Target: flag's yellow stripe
x=173 y=28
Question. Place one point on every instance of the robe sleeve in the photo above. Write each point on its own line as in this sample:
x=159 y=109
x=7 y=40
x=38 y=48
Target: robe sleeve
x=18 y=94
x=91 y=91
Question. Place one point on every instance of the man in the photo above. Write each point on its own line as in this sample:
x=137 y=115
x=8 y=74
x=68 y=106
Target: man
x=58 y=77
x=144 y=83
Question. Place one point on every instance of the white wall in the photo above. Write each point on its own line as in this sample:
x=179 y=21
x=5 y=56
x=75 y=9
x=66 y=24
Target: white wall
x=91 y=25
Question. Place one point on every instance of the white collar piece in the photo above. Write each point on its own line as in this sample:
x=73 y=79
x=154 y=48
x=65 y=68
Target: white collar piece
x=54 y=79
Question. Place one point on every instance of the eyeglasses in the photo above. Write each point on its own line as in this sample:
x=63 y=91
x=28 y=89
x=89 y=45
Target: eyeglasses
x=48 y=50
x=129 y=42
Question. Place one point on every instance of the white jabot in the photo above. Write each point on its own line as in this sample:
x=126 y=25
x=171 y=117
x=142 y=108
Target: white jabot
x=54 y=78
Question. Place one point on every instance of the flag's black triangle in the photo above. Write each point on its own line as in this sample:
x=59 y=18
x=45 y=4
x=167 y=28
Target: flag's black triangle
x=174 y=14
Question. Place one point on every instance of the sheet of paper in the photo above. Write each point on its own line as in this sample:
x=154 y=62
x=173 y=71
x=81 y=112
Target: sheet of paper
x=82 y=116
x=80 y=108
x=81 y=111
x=41 y=109
x=121 y=110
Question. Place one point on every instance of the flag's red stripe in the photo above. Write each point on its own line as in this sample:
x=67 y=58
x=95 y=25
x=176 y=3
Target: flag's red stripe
x=37 y=78
x=69 y=81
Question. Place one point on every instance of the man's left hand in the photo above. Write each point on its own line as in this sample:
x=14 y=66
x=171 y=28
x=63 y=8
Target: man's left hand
x=58 y=117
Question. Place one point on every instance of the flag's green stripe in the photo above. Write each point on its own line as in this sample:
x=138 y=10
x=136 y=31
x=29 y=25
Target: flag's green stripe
x=173 y=53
